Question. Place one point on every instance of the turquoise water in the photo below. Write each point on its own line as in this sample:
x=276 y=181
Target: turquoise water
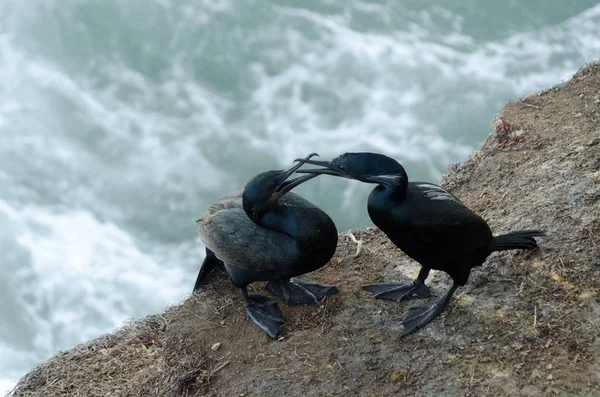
x=120 y=121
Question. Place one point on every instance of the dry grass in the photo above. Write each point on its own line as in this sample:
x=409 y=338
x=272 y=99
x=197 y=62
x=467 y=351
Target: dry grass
x=526 y=324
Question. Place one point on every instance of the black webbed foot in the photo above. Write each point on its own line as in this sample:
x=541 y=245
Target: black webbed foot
x=298 y=292
x=408 y=290
x=418 y=317
x=264 y=312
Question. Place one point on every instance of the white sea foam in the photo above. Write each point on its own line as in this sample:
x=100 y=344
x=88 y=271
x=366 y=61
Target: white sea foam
x=6 y=385
x=76 y=278
x=386 y=118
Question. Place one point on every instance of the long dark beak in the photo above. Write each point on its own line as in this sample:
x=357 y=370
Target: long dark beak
x=320 y=171
x=285 y=186
x=327 y=170
x=292 y=183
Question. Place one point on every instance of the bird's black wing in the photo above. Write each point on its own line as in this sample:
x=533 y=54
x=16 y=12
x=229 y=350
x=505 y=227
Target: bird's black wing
x=293 y=200
x=447 y=225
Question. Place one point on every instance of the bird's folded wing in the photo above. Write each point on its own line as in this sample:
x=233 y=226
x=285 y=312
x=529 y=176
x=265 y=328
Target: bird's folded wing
x=466 y=235
x=235 y=194
x=235 y=239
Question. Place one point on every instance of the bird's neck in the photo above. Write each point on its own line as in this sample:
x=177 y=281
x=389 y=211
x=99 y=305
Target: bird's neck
x=313 y=235
x=383 y=201
x=282 y=219
x=394 y=190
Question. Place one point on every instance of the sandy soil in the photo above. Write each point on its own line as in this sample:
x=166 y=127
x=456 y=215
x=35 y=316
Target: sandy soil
x=526 y=324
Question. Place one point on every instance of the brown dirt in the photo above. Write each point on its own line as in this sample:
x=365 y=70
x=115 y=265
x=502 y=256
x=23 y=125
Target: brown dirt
x=526 y=324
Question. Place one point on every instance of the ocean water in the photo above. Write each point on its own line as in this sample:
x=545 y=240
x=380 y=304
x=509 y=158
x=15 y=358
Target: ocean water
x=120 y=121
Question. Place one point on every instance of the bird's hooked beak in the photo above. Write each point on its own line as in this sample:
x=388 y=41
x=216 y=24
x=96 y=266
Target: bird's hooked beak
x=339 y=167
x=328 y=168
x=284 y=185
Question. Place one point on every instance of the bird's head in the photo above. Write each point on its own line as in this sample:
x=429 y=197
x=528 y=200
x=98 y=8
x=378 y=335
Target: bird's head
x=264 y=190
x=365 y=167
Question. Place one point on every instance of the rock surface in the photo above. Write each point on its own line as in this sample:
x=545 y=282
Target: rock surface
x=526 y=324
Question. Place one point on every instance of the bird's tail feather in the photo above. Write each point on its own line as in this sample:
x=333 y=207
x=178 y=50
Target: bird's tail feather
x=517 y=240
x=208 y=265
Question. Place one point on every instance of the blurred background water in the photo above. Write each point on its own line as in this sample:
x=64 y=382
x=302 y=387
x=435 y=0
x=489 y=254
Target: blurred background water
x=120 y=121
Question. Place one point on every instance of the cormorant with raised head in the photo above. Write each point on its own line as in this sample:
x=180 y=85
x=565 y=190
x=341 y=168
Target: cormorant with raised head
x=426 y=222
x=267 y=233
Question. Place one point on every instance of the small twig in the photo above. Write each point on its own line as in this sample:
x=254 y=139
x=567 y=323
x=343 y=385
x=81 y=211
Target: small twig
x=531 y=106
x=536 y=284
x=444 y=324
x=511 y=259
x=595 y=306
x=224 y=357
x=219 y=367
x=229 y=303
x=164 y=328
x=534 y=316
x=592 y=238
x=205 y=320
x=359 y=244
x=323 y=317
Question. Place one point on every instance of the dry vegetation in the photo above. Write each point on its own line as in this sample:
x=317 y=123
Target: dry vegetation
x=527 y=324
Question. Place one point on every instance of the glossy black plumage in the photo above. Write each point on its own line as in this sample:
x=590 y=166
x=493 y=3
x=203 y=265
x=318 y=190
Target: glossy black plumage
x=426 y=222
x=266 y=233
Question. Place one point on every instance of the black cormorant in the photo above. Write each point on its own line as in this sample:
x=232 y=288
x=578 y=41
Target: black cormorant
x=266 y=233
x=426 y=222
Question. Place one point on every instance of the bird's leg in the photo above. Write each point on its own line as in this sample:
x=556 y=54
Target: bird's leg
x=210 y=262
x=298 y=292
x=264 y=312
x=407 y=290
x=418 y=317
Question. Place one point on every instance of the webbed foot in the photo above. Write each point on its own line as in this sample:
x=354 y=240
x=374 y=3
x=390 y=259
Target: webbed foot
x=298 y=292
x=264 y=312
x=420 y=316
x=407 y=290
